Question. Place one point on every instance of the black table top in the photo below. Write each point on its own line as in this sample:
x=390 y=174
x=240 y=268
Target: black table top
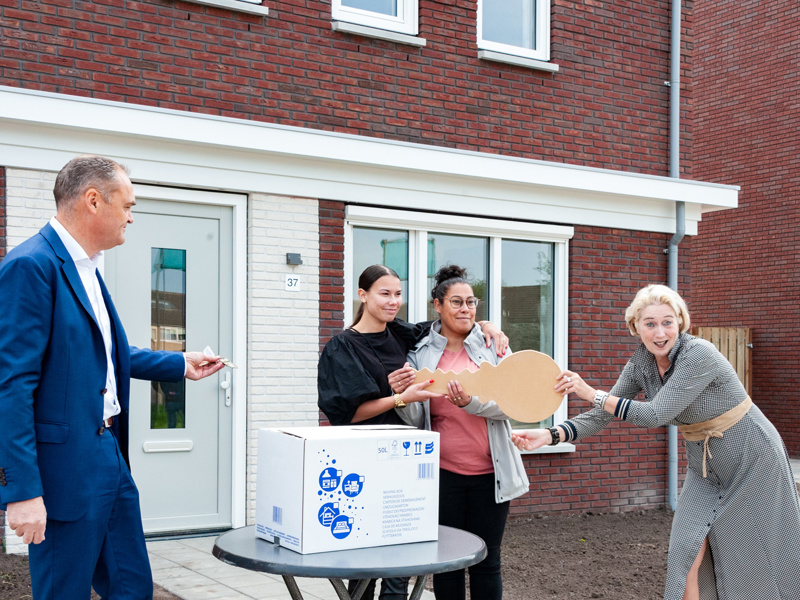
x=455 y=549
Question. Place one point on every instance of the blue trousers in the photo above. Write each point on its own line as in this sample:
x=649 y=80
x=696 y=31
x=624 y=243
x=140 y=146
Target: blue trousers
x=104 y=549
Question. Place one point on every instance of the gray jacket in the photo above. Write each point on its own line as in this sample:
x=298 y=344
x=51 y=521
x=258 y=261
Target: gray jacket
x=512 y=481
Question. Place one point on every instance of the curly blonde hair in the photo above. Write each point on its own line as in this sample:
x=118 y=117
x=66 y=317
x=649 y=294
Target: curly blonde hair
x=657 y=294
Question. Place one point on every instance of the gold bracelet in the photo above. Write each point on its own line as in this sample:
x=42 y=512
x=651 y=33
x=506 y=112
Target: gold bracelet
x=398 y=401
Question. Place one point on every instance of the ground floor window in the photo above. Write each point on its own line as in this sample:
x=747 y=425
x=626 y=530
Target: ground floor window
x=517 y=270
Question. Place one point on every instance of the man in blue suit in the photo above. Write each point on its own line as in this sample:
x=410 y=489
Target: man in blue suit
x=65 y=369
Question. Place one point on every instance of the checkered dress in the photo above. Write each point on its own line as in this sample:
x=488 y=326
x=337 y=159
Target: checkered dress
x=747 y=506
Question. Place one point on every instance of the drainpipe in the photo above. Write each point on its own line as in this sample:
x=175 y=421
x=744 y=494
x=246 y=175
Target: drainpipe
x=680 y=210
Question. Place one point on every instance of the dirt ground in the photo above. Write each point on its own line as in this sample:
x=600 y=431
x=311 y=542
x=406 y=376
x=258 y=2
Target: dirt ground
x=619 y=556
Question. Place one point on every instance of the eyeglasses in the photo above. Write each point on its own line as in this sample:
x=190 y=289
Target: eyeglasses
x=458 y=301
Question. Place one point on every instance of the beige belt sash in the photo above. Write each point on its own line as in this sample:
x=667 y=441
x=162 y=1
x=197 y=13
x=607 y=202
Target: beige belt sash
x=714 y=427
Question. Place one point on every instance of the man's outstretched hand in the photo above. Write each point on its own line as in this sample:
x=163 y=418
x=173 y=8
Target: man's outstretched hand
x=198 y=365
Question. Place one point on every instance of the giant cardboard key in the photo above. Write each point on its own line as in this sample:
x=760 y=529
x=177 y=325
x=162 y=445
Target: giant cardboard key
x=522 y=385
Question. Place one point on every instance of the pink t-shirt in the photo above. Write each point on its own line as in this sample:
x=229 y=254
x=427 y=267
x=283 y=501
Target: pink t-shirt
x=464 y=438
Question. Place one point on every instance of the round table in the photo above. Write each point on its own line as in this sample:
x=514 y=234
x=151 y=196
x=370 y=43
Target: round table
x=455 y=549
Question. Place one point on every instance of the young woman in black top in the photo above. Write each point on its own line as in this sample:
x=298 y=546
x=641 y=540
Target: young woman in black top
x=363 y=375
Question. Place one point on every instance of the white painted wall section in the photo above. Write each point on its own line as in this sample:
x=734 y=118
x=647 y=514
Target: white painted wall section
x=283 y=326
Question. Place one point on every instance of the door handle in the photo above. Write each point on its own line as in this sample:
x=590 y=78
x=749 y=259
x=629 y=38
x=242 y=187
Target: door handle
x=226 y=385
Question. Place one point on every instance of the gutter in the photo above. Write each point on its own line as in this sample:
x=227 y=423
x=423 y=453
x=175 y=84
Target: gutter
x=680 y=213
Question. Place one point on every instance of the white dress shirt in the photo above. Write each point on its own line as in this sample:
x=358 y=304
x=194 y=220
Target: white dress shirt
x=88 y=271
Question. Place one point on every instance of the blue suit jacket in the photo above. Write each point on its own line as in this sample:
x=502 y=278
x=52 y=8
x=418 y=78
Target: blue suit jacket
x=52 y=374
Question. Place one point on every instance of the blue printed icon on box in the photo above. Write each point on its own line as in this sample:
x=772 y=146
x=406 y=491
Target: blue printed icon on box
x=353 y=484
x=327 y=513
x=341 y=526
x=329 y=488
x=329 y=479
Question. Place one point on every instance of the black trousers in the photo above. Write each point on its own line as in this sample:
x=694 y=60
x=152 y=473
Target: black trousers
x=393 y=588
x=467 y=502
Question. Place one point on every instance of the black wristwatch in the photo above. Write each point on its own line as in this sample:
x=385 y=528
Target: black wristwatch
x=556 y=435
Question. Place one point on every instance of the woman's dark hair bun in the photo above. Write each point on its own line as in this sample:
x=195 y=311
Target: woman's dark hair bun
x=450 y=272
x=445 y=277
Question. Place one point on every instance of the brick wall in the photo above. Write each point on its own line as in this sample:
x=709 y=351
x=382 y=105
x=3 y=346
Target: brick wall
x=331 y=270
x=27 y=204
x=748 y=133
x=282 y=325
x=625 y=467
x=331 y=274
x=607 y=107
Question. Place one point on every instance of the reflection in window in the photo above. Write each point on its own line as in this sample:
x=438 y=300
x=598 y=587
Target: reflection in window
x=471 y=253
x=384 y=7
x=168 y=332
x=511 y=22
x=527 y=298
x=390 y=15
x=387 y=247
x=516 y=27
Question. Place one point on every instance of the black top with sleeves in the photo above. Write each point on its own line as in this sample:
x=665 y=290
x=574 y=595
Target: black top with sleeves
x=354 y=368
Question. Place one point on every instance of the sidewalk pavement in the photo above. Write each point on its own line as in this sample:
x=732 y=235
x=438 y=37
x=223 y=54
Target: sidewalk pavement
x=186 y=568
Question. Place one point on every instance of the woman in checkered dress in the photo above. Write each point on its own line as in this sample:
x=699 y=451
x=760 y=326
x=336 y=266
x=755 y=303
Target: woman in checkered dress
x=736 y=530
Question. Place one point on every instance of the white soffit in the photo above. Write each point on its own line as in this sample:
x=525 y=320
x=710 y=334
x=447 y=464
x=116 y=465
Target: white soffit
x=42 y=130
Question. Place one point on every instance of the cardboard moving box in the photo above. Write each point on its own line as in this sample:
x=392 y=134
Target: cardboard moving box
x=336 y=488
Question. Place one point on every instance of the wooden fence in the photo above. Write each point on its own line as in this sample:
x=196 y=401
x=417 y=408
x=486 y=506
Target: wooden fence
x=735 y=344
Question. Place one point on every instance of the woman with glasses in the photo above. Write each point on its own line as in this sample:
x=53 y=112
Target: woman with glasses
x=481 y=469
x=363 y=377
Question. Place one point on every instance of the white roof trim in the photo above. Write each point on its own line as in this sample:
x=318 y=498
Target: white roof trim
x=42 y=130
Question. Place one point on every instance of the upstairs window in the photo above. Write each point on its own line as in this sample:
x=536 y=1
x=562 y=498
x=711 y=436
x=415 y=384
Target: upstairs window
x=391 y=15
x=518 y=27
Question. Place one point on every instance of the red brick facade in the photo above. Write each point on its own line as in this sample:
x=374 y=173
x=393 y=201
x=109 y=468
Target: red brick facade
x=745 y=267
x=607 y=107
x=331 y=270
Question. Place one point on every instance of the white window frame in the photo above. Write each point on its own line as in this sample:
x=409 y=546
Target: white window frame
x=406 y=21
x=247 y=6
x=418 y=224
x=541 y=52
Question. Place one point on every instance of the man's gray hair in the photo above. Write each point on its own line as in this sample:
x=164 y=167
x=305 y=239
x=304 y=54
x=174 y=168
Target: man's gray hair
x=84 y=172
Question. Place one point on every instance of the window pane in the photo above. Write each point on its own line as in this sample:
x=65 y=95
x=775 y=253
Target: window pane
x=472 y=253
x=384 y=7
x=168 y=332
x=527 y=298
x=511 y=22
x=387 y=247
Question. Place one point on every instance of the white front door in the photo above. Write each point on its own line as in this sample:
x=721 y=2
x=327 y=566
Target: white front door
x=172 y=284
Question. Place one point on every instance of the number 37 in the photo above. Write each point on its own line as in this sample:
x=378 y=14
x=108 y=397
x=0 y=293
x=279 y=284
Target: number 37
x=292 y=283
